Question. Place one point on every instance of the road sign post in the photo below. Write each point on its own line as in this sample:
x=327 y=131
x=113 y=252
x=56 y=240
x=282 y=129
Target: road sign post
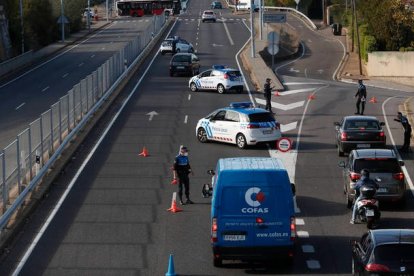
x=273 y=45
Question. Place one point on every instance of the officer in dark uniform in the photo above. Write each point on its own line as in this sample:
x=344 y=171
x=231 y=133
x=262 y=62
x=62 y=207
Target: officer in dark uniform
x=407 y=131
x=361 y=96
x=181 y=171
x=268 y=94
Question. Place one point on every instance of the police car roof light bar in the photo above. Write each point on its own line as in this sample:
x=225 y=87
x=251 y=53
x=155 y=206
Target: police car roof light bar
x=241 y=105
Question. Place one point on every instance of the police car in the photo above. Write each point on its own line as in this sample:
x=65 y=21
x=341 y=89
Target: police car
x=219 y=79
x=240 y=123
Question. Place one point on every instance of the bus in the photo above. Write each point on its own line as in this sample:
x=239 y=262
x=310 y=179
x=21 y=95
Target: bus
x=138 y=8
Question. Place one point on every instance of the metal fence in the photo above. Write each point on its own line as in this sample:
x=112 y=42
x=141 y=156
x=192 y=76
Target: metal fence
x=26 y=159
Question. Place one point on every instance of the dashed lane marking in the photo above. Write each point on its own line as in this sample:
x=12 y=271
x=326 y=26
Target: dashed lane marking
x=313 y=264
x=307 y=248
x=303 y=234
x=46 y=88
x=20 y=106
x=300 y=221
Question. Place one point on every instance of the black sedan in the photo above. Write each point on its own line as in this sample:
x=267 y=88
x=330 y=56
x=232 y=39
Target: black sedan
x=359 y=132
x=384 y=252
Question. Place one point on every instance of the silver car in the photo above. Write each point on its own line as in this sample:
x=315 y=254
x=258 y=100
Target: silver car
x=384 y=168
x=208 y=15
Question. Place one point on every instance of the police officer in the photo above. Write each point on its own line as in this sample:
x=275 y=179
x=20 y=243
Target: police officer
x=181 y=170
x=407 y=131
x=364 y=181
x=361 y=96
x=268 y=94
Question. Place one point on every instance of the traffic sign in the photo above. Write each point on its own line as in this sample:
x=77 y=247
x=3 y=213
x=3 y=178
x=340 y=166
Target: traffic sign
x=274 y=18
x=284 y=144
x=272 y=49
x=273 y=38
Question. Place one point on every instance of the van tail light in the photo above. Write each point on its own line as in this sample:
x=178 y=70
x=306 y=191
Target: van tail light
x=354 y=176
x=398 y=176
x=292 y=228
x=226 y=76
x=376 y=268
x=343 y=136
x=253 y=126
x=214 y=228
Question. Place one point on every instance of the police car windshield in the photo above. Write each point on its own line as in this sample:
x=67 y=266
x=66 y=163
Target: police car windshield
x=261 y=117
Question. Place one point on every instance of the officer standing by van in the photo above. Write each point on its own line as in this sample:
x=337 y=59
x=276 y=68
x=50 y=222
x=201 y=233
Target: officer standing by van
x=181 y=170
x=268 y=94
x=407 y=132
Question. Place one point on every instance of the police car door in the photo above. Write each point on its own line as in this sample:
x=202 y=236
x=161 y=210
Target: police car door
x=217 y=125
x=232 y=126
x=204 y=80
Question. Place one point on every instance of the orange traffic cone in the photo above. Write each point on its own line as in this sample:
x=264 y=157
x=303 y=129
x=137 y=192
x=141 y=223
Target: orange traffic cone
x=174 y=182
x=373 y=100
x=174 y=208
x=277 y=93
x=311 y=97
x=144 y=152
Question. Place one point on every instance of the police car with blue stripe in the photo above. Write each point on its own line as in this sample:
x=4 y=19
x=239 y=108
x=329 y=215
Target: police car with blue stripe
x=241 y=123
x=219 y=78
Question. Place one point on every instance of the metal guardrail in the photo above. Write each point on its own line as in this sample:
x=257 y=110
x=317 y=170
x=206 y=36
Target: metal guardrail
x=25 y=161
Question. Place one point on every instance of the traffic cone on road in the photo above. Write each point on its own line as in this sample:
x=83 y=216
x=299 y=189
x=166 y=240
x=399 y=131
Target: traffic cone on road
x=277 y=93
x=373 y=100
x=144 y=152
x=171 y=270
x=174 y=208
x=174 y=182
x=311 y=97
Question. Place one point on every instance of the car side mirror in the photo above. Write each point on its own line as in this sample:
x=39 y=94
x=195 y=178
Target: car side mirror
x=342 y=164
x=382 y=124
x=211 y=172
x=293 y=187
x=337 y=124
x=401 y=163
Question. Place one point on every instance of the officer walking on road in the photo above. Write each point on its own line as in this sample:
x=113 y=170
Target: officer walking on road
x=407 y=131
x=181 y=170
x=268 y=94
x=361 y=96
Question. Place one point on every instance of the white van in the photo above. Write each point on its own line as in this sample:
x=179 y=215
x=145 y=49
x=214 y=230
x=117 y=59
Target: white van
x=244 y=5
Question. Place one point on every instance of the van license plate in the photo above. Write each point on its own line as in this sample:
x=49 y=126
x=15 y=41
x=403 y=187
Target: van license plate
x=361 y=146
x=369 y=213
x=234 y=237
x=267 y=131
x=382 y=190
x=180 y=67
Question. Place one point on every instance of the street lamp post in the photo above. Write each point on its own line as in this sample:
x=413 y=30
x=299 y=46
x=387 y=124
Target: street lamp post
x=358 y=41
x=62 y=15
x=88 y=17
x=21 y=24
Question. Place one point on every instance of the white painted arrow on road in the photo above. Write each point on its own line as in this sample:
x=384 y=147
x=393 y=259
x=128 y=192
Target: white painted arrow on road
x=295 y=91
x=217 y=45
x=293 y=70
x=283 y=107
x=287 y=127
x=152 y=114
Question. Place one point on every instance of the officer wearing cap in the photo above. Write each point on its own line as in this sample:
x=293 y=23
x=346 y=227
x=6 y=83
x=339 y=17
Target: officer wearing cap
x=407 y=131
x=181 y=170
x=268 y=94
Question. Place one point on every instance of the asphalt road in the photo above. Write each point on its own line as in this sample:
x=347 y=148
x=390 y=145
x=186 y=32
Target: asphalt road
x=25 y=97
x=114 y=220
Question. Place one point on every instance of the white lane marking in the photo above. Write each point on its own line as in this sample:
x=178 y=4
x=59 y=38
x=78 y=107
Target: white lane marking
x=17 y=108
x=296 y=91
x=228 y=33
x=189 y=97
x=303 y=234
x=301 y=83
x=92 y=56
x=78 y=173
x=288 y=127
x=404 y=169
x=46 y=88
x=306 y=72
x=46 y=62
x=65 y=75
x=185 y=119
x=308 y=248
x=300 y=221
x=81 y=64
x=313 y=264
x=283 y=107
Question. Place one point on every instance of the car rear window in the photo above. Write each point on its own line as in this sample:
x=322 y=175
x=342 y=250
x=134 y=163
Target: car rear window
x=261 y=117
x=362 y=124
x=182 y=58
x=209 y=13
x=234 y=73
x=386 y=165
x=401 y=253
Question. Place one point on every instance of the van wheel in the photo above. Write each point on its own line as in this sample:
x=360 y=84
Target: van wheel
x=340 y=152
x=201 y=135
x=241 y=141
x=220 y=89
x=218 y=262
x=171 y=73
x=193 y=87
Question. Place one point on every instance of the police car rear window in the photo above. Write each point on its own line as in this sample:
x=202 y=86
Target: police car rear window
x=234 y=73
x=261 y=117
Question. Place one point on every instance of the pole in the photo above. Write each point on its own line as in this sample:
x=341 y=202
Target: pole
x=107 y=10
x=89 y=15
x=352 y=25
x=261 y=19
x=62 y=15
x=358 y=41
x=252 y=29
x=21 y=24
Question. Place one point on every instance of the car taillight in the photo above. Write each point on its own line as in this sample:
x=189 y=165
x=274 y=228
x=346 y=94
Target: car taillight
x=277 y=126
x=343 y=136
x=354 y=176
x=376 y=268
x=292 y=228
x=381 y=135
x=214 y=228
x=253 y=126
x=398 y=176
x=226 y=76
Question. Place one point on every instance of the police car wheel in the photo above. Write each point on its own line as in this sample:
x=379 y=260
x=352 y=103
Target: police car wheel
x=202 y=135
x=241 y=141
x=193 y=87
x=220 y=89
x=218 y=262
